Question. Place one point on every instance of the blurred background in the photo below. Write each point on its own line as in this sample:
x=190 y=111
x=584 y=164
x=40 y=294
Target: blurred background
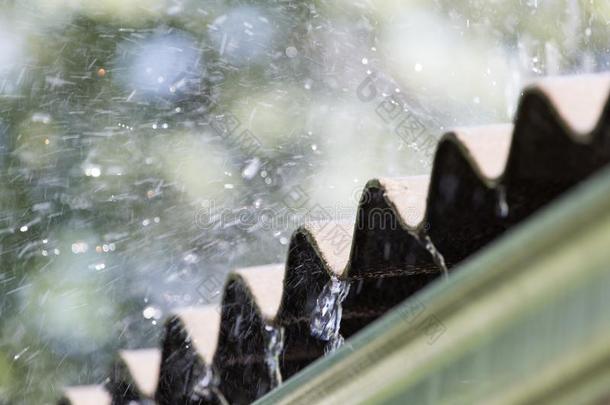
x=149 y=146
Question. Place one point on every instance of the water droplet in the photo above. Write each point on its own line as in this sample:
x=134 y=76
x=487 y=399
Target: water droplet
x=152 y=312
x=18 y=355
x=79 y=247
x=251 y=169
x=97 y=266
x=191 y=258
x=291 y=52
x=93 y=171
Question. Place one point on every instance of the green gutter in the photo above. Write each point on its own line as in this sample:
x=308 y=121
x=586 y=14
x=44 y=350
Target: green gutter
x=524 y=321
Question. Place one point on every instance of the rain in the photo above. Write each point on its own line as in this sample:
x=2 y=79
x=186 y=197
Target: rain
x=149 y=147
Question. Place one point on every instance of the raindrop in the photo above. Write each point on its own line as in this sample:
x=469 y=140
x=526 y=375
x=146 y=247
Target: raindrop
x=93 y=171
x=18 y=355
x=97 y=266
x=41 y=117
x=251 y=169
x=291 y=52
x=79 y=247
x=152 y=312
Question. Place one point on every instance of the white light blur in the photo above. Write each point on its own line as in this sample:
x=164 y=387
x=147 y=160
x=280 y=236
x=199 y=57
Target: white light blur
x=243 y=35
x=162 y=65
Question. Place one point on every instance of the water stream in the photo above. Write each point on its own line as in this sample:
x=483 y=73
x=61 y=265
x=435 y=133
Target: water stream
x=502 y=208
x=437 y=257
x=273 y=350
x=326 y=318
x=207 y=387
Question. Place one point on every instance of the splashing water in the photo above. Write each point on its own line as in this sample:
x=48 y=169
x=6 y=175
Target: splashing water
x=437 y=257
x=326 y=318
x=502 y=208
x=275 y=344
x=207 y=387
